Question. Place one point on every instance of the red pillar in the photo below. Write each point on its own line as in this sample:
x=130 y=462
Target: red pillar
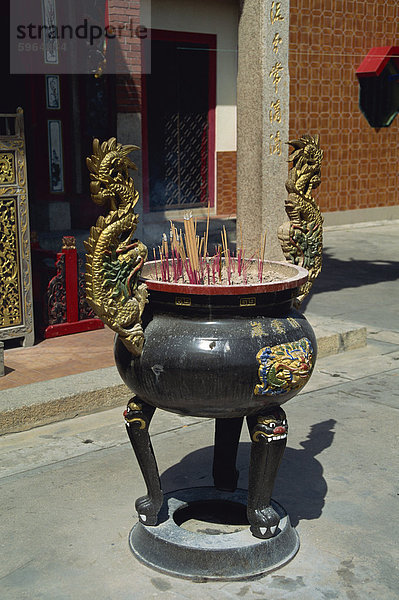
x=71 y=286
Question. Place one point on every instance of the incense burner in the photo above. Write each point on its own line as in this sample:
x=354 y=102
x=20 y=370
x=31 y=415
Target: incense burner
x=221 y=351
x=225 y=352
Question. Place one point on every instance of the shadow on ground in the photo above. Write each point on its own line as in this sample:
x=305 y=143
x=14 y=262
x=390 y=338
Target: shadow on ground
x=339 y=274
x=300 y=486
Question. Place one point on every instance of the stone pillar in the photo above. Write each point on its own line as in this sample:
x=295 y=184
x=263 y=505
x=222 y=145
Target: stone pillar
x=262 y=123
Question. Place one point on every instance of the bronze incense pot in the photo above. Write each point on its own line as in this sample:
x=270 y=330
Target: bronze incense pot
x=223 y=351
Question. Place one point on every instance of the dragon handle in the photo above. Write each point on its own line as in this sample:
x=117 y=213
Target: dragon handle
x=301 y=238
x=114 y=258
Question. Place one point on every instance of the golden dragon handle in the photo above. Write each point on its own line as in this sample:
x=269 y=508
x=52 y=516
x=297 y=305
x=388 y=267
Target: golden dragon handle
x=301 y=238
x=114 y=259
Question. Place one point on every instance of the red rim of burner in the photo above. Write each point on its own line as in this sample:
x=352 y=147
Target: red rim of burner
x=299 y=277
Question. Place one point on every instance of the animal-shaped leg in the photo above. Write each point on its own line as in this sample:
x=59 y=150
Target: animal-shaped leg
x=227 y=436
x=138 y=416
x=269 y=438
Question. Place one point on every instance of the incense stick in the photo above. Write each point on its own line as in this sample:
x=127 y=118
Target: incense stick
x=185 y=257
x=207 y=231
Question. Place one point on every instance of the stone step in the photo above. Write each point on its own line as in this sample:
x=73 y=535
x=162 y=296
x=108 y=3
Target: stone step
x=335 y=336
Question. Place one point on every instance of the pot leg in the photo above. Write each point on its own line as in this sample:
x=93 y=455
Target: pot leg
x=269 y=438
x=227 y=436
x=138 y=416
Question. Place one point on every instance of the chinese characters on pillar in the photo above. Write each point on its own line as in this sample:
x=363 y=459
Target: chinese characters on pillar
x=276 y=74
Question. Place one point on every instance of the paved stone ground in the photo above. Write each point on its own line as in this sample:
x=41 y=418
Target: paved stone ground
x=68 y=492
x=68 y=489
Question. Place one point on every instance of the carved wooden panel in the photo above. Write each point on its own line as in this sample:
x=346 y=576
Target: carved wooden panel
x=16 y=312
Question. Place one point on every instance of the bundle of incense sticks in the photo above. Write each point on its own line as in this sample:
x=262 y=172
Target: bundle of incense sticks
x=186 y=256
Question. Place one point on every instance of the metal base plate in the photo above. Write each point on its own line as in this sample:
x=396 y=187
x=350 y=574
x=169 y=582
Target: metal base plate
x=172 y=549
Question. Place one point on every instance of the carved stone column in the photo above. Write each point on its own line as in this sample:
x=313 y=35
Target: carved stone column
x=262 y=122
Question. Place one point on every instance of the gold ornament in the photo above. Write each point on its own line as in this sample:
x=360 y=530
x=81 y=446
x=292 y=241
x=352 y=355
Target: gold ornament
x=284 y=367
x=10 y=283
x=114 y=259
x=16 y=306
x=302 y=237
x=7 y=167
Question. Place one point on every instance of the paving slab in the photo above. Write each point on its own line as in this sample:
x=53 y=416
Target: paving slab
x=391 y=337
x=367 y=360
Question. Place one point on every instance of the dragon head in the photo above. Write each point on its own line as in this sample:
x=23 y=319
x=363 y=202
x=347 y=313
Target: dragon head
x=109 y=171
x=306 y=157
x=274 y=426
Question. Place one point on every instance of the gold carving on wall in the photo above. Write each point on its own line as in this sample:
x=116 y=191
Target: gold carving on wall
x=68 y=242
x=10 y=296
x=16 y=309
x=7 y=167
x=275 y=74
x=275 y=12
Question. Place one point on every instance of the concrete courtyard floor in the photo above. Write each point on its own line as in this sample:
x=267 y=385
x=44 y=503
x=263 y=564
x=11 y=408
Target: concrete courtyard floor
x=68 y=489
